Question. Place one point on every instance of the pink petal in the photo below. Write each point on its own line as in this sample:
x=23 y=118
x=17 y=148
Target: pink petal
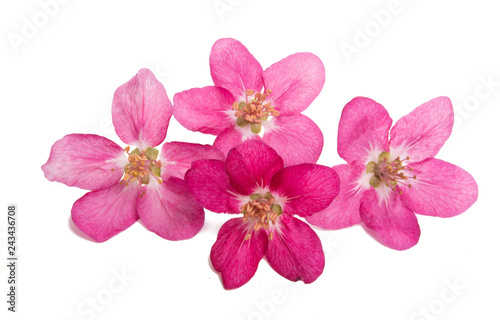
x=168 y=210
x=421 y=133
x=295 y=251
x=141 y=111
x=364 y=126
x=307 y=188
x=176 y=157
x=297 y=139
x=441 y=189
x=209 y=185
x=295 y=82
x=228 y=139
x=105 y=213
x=394 y=223
x=251 y=165
x=207 y=109
x=85 y=161
x=343 y=212
x=235 y=258
x=234 y=68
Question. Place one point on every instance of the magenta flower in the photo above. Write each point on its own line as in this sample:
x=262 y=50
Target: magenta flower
x=253 y=181
x=247 y=101
x=128 y=185
x=387 y=181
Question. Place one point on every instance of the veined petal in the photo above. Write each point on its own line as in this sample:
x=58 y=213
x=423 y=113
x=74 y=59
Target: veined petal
x=168 y=210
x=103 y=214
x=207 y=110
x=85 y=161
x=305 y=188
x=295 y=82
x=234 y=257
x=176 y=157
x=252 y=164
x=141 y=111
x=209 y=185
x=441 y=189
x=343 y=212
x=393 y=222
x=421 y=133
x=363 y=127
x=231 y=137
x=295 y=251
x=234 y=68
x=297 y=139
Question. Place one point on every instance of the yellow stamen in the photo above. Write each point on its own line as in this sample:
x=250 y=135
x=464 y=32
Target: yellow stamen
x=255 y=111
x=262 y=211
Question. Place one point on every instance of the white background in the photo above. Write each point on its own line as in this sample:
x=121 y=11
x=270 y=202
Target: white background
x=62 y=81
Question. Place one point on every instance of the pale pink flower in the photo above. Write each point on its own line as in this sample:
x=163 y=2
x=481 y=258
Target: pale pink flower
x=387 y=181
x=254 y=182
x=247 y=101
x=131 y=184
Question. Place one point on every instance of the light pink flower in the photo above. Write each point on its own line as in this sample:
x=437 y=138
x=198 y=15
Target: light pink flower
x=247 y=99
x=127 y=185
x=387 y=181
x=253 y=181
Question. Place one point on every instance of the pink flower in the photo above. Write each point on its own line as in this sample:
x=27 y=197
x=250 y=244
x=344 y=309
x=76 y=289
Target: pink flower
x=387 y=181
x=246 y=101
x=128 y=185
x=253 y=181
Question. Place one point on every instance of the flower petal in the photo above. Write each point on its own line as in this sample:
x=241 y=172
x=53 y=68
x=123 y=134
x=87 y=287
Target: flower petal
x=235 y=258
x=234 y=68
x=230 y=138
x=297 y=139
x=306 y=188
x=441 y=189
x=251 y=165
x=343 y=212
x=141 y=111
x=394 y=223
x=176 y=157
x=207 y=110
x=85 y=161
x=421 y=133
x=168 y=210
x=363 y=127
x=105 y=213
x=209 y=185
x=295 y=82
x=295 y=250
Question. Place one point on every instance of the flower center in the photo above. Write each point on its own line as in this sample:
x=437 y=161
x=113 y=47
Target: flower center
x=261 y=211
x=388 y=172
x=254 y=110
x=141 y=164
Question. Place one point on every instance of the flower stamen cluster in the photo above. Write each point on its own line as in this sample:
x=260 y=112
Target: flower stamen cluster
x=141 y=164
x=262 y=211
x=389 y=172
x=255 y=111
